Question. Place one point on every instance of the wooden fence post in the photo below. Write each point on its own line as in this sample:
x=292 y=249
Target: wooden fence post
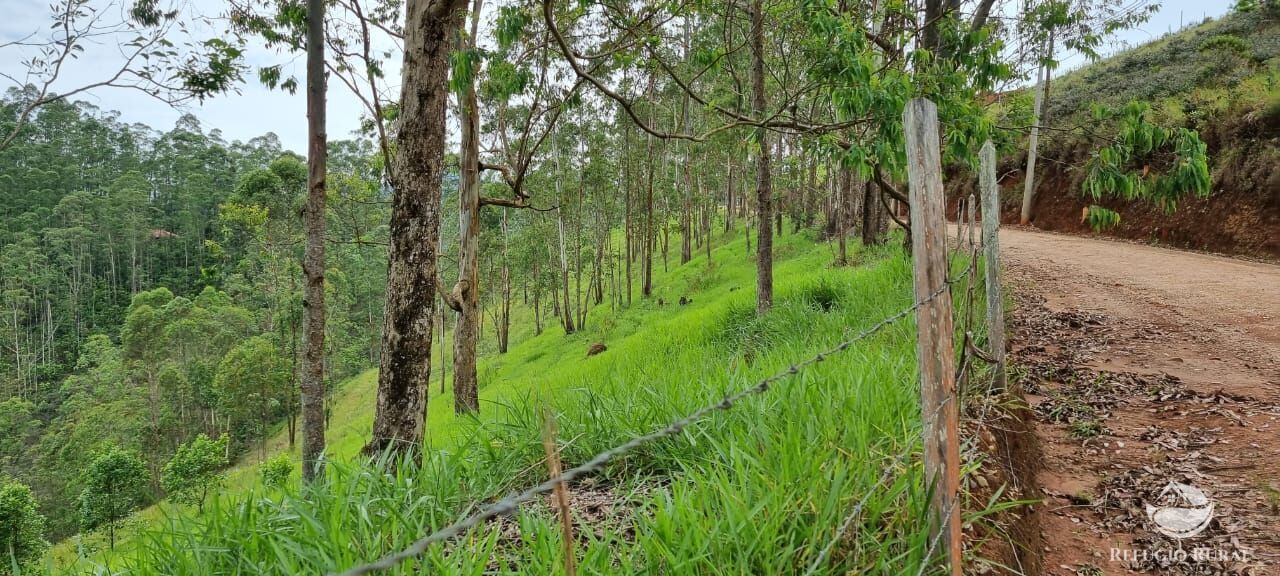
x=991 y=253
x=561 y=492
x=934 y=350
x=972 y=205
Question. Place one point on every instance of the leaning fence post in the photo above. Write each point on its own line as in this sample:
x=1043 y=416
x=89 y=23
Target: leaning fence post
x=934 y=351
x=991 y=253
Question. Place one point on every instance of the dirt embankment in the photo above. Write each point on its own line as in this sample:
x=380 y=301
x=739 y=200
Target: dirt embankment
x=1240 y=217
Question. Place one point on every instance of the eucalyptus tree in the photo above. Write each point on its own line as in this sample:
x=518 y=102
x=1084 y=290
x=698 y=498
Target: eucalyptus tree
x=525 y=105
x=405 y=363
x=834 y=72
x=303 y=28
x=313 y=263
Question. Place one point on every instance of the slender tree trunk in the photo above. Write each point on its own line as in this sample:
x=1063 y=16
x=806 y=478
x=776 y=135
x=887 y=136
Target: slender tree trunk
x=577 y=250
x=415 y=228
x=686 y=208
x=649 y=233
x=504 y=319
x=444 y=322
x=312 y=385
x=1033 y=143
x=598 y=269
x=728 y=193
x=566 y=310
x=626 y=204
x=537 y=303
x=706 y=220
x=842 y=213
x=465 y=298
x=764 y=178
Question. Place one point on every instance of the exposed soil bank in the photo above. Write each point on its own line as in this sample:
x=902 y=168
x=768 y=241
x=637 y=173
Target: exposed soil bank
x=1240 y=217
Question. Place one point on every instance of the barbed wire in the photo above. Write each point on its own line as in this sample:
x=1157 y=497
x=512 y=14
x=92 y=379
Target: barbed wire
x=969 y=270
x=933 y=544
x=857 y=511
x=595 y=464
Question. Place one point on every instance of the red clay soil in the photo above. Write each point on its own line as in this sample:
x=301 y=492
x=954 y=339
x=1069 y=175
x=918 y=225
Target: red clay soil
x=1146 y=366
x=1240 y=217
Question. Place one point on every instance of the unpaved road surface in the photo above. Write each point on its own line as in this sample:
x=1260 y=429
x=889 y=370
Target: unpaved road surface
x=1147 y=366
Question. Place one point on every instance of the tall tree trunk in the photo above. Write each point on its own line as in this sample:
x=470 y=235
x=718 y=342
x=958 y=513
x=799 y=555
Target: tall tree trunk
x=871 y=216
x=444 y=323
x=566 y=310
x=465 y=298
x=577 y=250
x=1033 y=143
x=842 y=217
x=686 y=215
x=728 y=192
x=706 y=220
x=649 y=233
x=312 y=384
x=504 y=318
x=537 y=303
x=598 y=269
x=764 y=178
x=405 y=366
x=626 y=204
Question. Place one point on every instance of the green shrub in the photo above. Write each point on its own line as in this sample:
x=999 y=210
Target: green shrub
x=195 y=470
x=21 y=528
x=275 y=471
x=1270 y=113
x=822 y=294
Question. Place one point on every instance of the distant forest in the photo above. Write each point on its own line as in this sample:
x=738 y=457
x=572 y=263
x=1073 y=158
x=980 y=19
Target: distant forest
x=150 y=290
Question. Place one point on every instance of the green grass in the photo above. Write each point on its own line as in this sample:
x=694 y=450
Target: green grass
x=1170 y=69
x=757 y=490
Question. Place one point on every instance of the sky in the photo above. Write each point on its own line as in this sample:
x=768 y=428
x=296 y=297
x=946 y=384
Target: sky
x=256 y=110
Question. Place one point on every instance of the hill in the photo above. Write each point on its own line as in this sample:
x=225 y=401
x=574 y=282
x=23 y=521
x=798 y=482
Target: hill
x=1221 y=78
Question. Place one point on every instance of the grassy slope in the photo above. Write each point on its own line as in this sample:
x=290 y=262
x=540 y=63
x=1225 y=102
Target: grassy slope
x=1179 y=69
x=754 y=490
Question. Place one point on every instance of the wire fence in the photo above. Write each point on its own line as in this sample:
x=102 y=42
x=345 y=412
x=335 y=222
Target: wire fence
x=938 y=390
x=596 y=464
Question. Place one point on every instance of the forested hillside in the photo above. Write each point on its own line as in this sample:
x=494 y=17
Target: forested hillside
x=150 y=289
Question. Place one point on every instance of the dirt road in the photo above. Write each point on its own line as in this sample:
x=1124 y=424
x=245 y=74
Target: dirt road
x=1147 y=366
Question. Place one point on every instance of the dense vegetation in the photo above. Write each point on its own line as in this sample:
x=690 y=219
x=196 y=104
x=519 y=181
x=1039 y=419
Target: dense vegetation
x=149 y=292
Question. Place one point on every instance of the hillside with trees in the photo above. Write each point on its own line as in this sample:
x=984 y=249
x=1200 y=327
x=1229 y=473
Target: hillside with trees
x=596 y=286
x=150 y=292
